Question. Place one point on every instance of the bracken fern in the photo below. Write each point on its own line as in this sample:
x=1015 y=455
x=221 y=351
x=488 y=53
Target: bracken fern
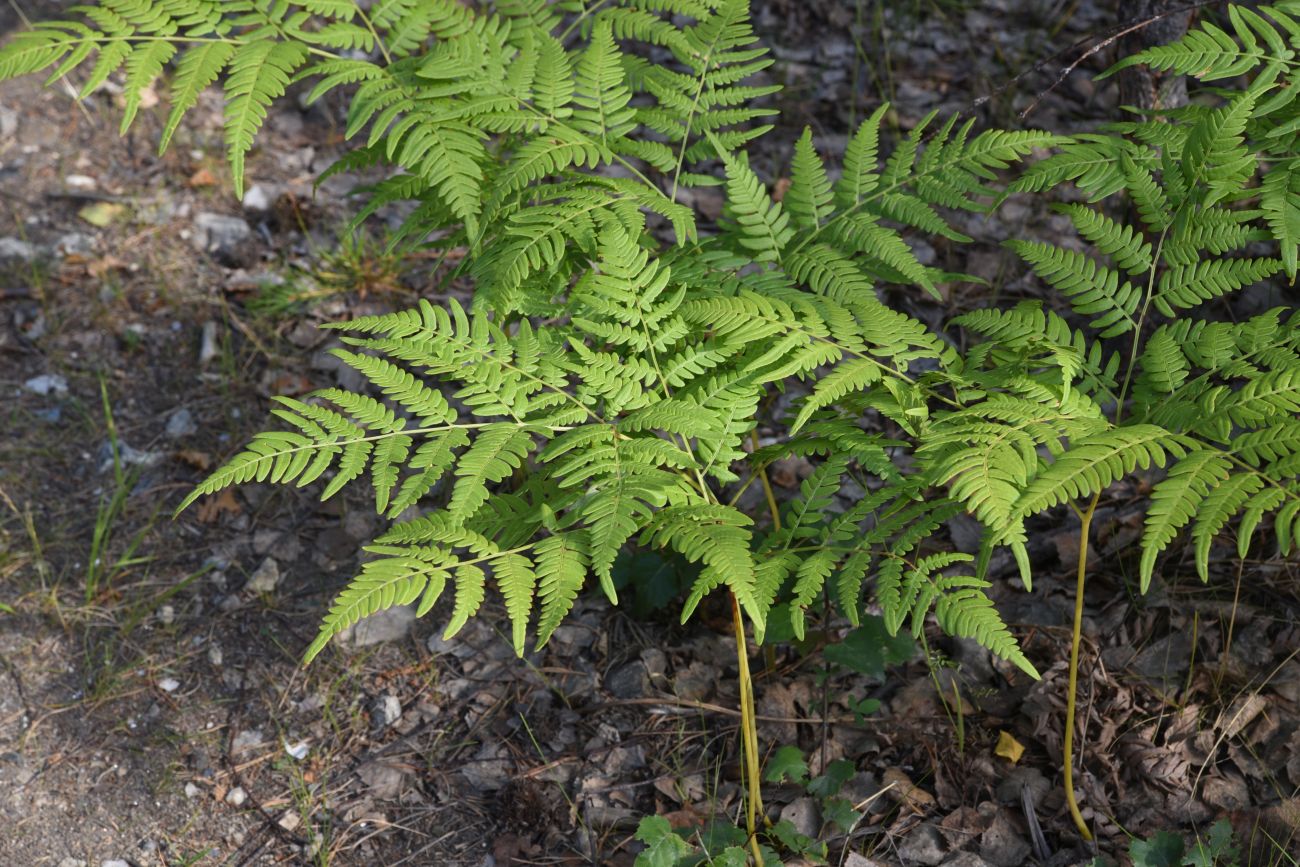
x=605 y=384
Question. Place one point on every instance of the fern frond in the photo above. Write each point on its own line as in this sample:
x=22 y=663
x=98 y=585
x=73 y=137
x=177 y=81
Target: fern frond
x=259 y=73
x=809 y=197
x=1175 y=501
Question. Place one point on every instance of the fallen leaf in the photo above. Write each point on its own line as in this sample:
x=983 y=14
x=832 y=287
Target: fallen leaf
x=211 y=509
x=198 y=459
x=203 y=178
x=101 y=214
x=905 y=792
x=780 y=188
x=100 y=267
x=1008 y=747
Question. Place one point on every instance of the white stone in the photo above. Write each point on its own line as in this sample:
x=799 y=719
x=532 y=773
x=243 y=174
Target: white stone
x=236 y=797
x=256 y=198
x=265 y=578
x=47 y=383
x=169 y=684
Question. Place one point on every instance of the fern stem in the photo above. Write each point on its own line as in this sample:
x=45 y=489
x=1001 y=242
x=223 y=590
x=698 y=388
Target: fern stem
x=1067 y=749
x=748 y=735
x=370 y=25
x=767 y=488
x=582 y=16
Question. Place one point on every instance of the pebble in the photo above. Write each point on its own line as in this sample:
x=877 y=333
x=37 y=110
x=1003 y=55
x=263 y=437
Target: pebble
x=247 y=741
x=46 y=384
x=256 y=199
x=387 y=625
x=297 y=751
x=167 y=615
x=385 y=711
x=215 y=656
x=180 y=424
x=114 y=862
x=169 y=684
x=192 y=791
x=265 y=578
x=215 y=232
x=127 y=456
x=922 y=845
x=236 y=796
x=16 y=250
x=80 y=183
x=208 y=349
x=74 y=244
x=629 y=681
x=802 y=813
x=72 y=862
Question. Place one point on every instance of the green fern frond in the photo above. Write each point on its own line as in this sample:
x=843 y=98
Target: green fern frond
x=1094 y=463
x=259 y=73
x=1091 y=288
x=809 y=197
x=1175 y=501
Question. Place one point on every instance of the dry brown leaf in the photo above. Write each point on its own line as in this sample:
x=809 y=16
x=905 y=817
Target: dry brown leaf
x=203 y=178
x=211 y=509
x=200 y=460
x=905 y=792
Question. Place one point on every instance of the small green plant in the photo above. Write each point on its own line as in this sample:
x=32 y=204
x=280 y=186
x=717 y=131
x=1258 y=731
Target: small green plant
x=1215 y=849
x=605 y=385
x=723 y=843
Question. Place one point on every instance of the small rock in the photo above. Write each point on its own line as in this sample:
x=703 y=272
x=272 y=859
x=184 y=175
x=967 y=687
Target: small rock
x=1003 y=844
x=256 y=199
x=15 y=251
x=169 y=684
x=297 y=751
x=802 y=813
x=47 y=383
x=217 y=232
x=383 y=779
x=385 y=711
x=114 y=862
x=922 y=845
x=127 y=456
x=1009 y=789
x=9 y=129
x=389 y=624
x=208 y=349
x=180 y=424
x=697 y=681
x=290 y=820
x=80 y=183
x=72 y=862
x=629 y=681
x=966 y=859
x=265 y=578
x=167 y=615
x=74 y=244
x=656 y=661
x=236 y=796
x=246 y=741
x=855 y=860
x=192 y=791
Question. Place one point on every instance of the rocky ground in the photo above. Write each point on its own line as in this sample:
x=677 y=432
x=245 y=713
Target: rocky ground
x=152 y=708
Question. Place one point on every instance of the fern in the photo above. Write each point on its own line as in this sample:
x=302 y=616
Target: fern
x=606 y=386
